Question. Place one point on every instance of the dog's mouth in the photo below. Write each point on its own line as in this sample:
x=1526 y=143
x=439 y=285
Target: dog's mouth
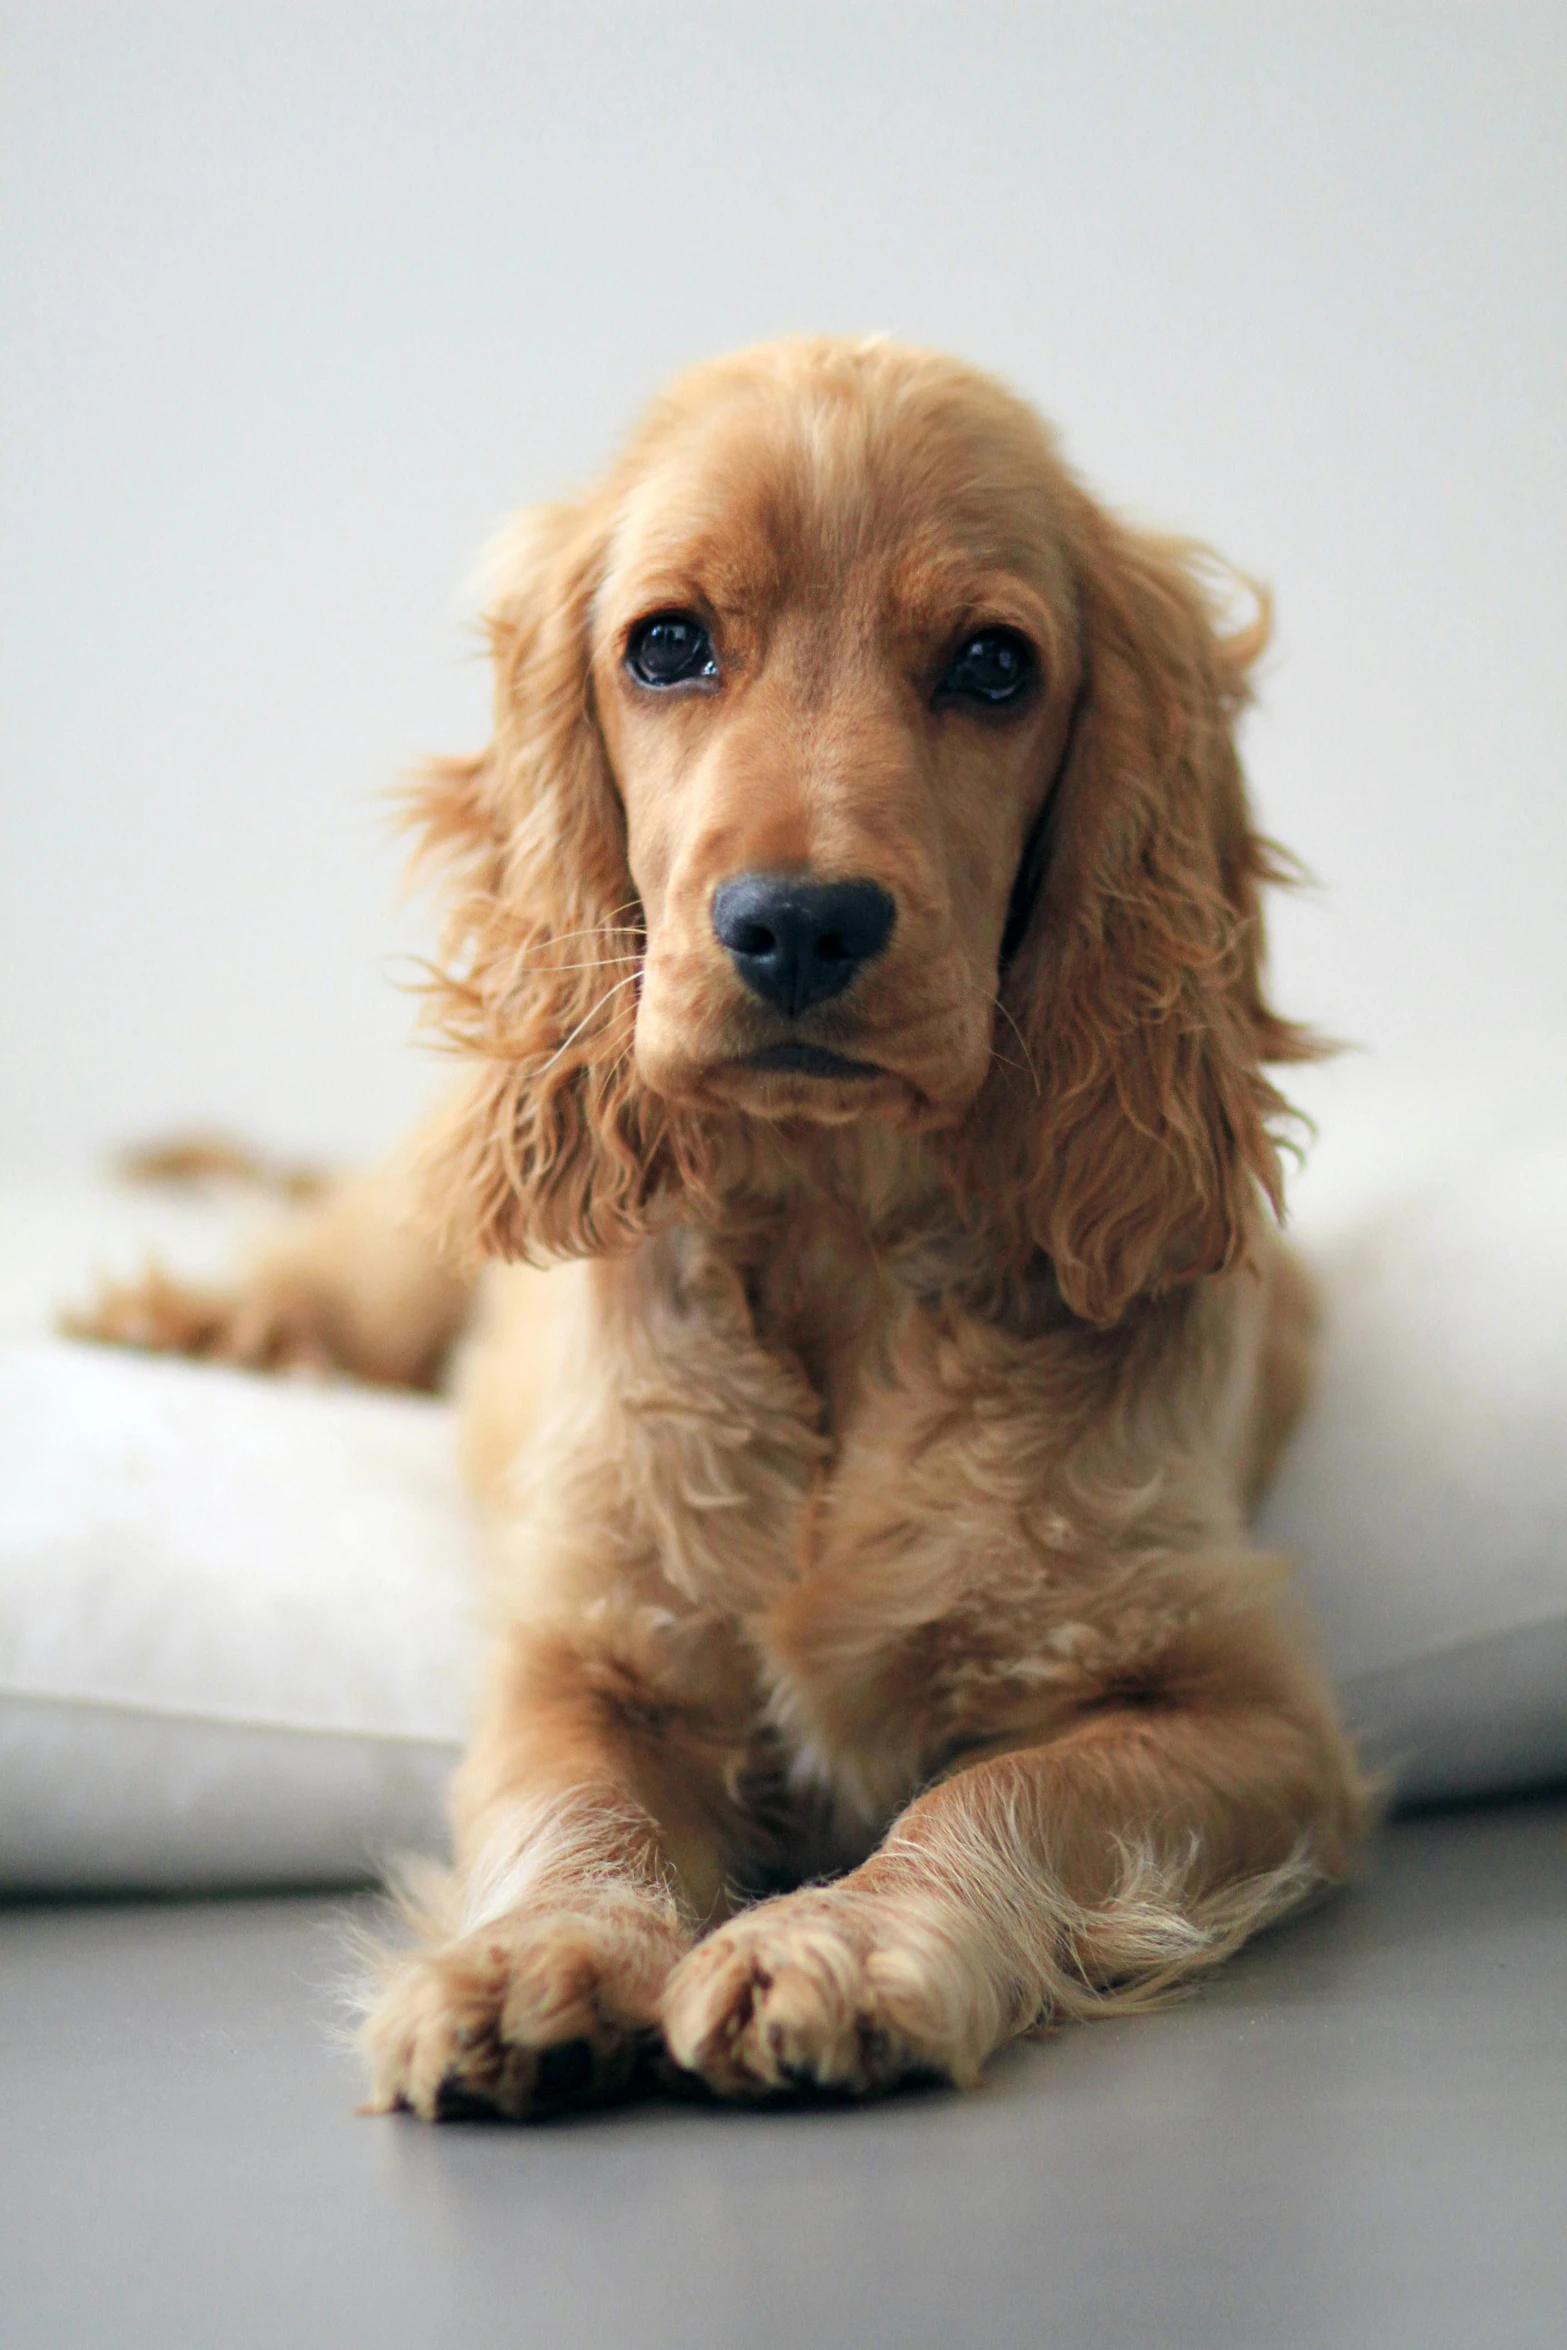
x=807 y=1060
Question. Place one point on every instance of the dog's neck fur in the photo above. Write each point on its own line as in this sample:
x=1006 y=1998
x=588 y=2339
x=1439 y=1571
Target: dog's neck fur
x=833 y=1232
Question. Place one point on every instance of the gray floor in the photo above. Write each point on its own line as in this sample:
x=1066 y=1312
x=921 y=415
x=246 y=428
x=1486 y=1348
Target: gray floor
x=1358 y=2136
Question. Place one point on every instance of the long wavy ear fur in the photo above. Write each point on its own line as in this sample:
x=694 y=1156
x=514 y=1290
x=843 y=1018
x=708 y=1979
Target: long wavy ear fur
x=1131 y=1151
x=553 y=1149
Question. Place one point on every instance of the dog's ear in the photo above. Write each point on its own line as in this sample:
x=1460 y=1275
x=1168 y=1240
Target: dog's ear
x=1131 y=1149
x=553 y=1148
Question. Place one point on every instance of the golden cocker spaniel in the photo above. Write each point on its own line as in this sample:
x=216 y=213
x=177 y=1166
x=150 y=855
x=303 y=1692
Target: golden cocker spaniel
x=856 y=944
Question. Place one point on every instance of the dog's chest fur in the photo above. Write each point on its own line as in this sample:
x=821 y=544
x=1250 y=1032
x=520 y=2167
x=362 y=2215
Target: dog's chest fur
x=889 y=1521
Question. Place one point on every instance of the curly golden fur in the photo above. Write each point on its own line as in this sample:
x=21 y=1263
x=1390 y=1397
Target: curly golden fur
x=869 y=1495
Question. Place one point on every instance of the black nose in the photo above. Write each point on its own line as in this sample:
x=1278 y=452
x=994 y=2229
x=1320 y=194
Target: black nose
x=797 y=942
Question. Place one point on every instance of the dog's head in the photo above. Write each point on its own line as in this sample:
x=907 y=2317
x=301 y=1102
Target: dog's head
x=851 y=763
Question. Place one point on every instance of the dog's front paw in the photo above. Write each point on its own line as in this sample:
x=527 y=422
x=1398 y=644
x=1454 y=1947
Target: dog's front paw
x=525 y=2017
x=800 y=1993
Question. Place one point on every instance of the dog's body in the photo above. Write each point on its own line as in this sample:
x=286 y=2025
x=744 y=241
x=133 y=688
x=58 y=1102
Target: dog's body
x=857 y=938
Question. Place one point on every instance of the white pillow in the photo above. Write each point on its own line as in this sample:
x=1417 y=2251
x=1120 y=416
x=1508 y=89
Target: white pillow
x=1425 y=1494
x=238 y=1630
x=238 y=1616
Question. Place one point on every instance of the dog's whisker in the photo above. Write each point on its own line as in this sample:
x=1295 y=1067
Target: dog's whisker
x=585 y=1022
x=609 y=1075
x=1001 y=1007
x=533 y=944
x=602 y=929
x=551 y=970
x=563 y=938
x=992 y=996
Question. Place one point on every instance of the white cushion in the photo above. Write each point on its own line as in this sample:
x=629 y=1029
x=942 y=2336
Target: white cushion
x=1425 y=1494
x=238 y=1628
x=238 y=1616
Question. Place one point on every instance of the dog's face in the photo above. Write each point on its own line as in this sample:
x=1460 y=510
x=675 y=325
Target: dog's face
x=850 y=762
x=834 y=663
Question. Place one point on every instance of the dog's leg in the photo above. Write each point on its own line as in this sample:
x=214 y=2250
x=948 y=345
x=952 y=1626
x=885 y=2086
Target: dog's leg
x=353 y=1283
x=621 y=1771
x=1093 y=1872
x=590 y=1847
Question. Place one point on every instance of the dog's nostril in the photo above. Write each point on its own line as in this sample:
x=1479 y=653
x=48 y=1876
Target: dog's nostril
x=796 y=942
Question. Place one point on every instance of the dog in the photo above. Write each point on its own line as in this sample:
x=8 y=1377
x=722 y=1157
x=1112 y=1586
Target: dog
x=855 y=945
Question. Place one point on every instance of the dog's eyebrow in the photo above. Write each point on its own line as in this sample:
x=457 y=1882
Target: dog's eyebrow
x=680 y=547
x=947 y=588
x=690 y=578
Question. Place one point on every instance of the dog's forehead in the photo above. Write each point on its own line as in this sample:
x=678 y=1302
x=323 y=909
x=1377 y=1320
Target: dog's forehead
x=826 y=494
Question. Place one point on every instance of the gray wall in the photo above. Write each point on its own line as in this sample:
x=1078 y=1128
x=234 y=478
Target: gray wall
x=298 y=301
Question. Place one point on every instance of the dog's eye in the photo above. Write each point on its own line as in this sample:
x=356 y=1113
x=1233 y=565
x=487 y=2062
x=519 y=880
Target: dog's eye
x=670 y=649
x=992 y=668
